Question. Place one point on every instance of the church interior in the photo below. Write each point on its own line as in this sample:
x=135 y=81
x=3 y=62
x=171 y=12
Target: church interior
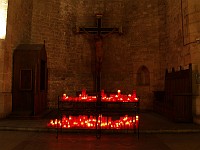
x=48 y=48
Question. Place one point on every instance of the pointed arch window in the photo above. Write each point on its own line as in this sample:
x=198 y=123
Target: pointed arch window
x=143 y=76
x=3 y=18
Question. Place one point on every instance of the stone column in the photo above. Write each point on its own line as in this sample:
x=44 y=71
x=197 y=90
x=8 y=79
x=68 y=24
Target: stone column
x=5 y=82
x=194 y=37
x=5 y=65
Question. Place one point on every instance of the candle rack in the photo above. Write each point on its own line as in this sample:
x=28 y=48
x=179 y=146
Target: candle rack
x=98 y=113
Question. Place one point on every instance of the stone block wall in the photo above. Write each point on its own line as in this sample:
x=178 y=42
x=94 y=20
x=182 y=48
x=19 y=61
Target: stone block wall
x=156 y=35
x=183 y=46
x=18 y=31
x=193 y=15
x=53 y=21
x=71 y=55
x=2 y=90
x=178 y=52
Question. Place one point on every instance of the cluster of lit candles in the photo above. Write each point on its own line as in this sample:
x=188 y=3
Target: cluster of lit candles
x=112 y=98
x=92 y=122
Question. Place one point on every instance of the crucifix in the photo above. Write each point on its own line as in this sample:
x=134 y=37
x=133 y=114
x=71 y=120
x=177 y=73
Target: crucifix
x=99 y=33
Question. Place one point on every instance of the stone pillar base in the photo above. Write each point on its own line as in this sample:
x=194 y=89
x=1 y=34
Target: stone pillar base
x=5 y=104
x=196 y=119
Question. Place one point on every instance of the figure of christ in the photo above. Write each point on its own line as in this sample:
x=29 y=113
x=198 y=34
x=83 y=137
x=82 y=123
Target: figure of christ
x=98 y=34
x=99 y=51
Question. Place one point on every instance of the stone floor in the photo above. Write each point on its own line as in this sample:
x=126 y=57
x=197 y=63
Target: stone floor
x=156 y=133
x=19 y=140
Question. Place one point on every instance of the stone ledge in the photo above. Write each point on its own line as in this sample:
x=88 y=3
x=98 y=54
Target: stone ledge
x=196 y=119
x=3 y=115
x=103 y=131
x=5 y=104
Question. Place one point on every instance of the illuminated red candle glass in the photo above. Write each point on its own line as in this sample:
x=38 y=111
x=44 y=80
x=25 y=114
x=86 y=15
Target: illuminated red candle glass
x=112 y=98
x=90 y=123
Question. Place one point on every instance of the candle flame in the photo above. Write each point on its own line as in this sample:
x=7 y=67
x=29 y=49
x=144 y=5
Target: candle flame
x=114 y=98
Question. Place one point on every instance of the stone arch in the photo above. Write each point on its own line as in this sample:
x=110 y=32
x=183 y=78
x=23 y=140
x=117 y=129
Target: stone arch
x=143 y=76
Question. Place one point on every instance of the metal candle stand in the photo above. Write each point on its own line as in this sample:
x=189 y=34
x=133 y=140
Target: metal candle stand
x=98 y=108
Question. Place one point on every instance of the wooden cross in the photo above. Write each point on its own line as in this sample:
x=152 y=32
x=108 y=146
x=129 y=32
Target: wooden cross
x=99 y=30
x=99 y=33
